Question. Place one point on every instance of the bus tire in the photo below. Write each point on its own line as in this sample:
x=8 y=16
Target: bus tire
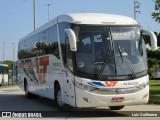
x=58 y=97
x=27 y=93
x=116 y=107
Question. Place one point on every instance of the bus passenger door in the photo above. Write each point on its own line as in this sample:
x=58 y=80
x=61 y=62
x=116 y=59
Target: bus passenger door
x=69 y=76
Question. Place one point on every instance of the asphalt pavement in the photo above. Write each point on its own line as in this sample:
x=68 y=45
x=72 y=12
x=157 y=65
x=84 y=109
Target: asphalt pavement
x=13 y=100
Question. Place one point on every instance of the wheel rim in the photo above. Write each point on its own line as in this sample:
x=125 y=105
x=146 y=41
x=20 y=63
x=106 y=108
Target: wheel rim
x=59 y=98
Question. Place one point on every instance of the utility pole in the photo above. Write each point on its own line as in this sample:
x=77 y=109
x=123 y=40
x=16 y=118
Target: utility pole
x=13 y=45
x=3 y=51
x=137 y=4
x=34 y=11
x=3 y=62
x=48 y=11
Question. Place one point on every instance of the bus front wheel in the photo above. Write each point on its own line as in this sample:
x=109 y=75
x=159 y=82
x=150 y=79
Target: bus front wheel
x=116 y=107
x=58 y=98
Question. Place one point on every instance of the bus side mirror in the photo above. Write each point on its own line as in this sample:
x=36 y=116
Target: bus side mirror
x=152 y=37
x=72 y=39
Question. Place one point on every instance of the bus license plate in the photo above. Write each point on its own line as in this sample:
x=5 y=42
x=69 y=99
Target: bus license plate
x=118 y=99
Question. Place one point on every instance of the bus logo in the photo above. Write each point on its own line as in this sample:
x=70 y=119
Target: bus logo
x=103 y=84
x=6 y=114
x=111 y=84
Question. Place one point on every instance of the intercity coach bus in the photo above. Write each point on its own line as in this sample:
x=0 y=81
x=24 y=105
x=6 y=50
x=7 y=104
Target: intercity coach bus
x=86 y=60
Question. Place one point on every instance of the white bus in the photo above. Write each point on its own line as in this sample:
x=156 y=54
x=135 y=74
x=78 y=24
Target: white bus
x=86 y=60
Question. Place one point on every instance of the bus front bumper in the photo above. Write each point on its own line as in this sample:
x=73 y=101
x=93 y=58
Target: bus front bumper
x=90 y=99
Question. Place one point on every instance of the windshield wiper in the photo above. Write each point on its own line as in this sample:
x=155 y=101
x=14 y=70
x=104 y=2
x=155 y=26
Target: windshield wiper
x=122 y=54
x=107 y=58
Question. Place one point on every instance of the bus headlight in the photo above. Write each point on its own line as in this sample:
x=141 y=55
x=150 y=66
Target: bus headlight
x=85 y=87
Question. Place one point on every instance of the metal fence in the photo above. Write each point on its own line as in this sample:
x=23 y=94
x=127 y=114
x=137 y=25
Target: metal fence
x=10 y=80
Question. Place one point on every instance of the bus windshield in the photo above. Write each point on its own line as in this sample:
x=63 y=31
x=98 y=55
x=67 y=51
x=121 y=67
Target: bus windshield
x=110 y=51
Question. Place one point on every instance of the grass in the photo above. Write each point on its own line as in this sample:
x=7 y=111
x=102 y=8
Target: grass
x=154 y=97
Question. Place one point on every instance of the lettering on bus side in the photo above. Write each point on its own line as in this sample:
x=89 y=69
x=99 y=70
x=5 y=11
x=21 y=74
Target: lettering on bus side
x=130 y=83
x=56 y=64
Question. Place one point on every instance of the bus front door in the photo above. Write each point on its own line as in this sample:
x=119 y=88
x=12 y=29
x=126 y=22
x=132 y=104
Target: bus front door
x=69 y=89
x=69 y=76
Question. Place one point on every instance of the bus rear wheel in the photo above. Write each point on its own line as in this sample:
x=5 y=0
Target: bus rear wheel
x=116 y=107
x=27 y=93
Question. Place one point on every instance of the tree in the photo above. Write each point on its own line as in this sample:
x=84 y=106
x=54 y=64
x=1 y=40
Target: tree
x=153 y=61
x=156 y=14
x=153 y=64
x=146 y=39
x=9 y=63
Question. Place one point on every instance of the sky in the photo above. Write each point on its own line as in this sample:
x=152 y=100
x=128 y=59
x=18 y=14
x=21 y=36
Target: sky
x=16 y=16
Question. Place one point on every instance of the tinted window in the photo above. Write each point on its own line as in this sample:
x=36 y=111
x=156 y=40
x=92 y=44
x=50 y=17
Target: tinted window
x=53 y=42
x=68 y=57
x=84 y=43
x=43 y=43
x=63 y=37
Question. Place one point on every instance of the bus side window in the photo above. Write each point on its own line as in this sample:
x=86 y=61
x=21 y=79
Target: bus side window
x=140 y=45
x=53 y=41
x=68 y=55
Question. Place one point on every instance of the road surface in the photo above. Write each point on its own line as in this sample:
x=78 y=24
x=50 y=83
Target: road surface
x=12 y=99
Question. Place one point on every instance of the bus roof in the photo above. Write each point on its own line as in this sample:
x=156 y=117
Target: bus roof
x=3 y=65
x=97 y=19
x=87 y=19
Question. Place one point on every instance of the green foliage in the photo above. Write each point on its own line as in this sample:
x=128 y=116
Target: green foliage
x=153 y=64
x=9 y=63
x=146 y=38
x=154 y=54
x=153 y=61
x=156 y=14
